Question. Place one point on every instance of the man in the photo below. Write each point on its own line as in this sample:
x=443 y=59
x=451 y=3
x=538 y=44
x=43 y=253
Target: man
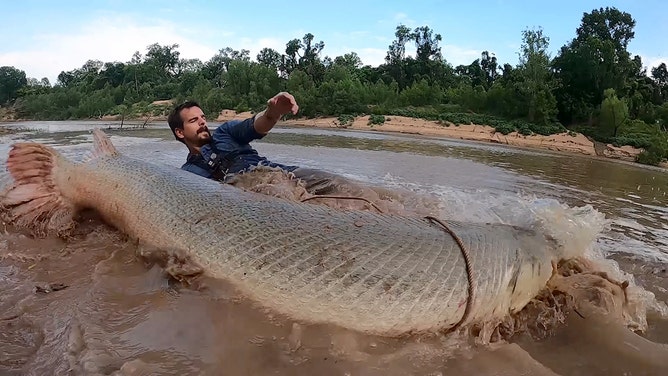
x=227 y=151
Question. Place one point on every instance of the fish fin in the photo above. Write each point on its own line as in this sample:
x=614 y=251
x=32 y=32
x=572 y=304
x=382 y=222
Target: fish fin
x=33 y=200
x=176 y=263
x=103 y=145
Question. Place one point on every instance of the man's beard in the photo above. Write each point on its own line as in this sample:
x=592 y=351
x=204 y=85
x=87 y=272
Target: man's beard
x=203 y=137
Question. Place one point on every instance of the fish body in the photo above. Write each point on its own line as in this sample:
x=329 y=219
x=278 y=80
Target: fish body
x=375 y=273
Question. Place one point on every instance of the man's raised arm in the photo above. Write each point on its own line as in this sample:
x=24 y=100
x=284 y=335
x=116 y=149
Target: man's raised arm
x=279 y=105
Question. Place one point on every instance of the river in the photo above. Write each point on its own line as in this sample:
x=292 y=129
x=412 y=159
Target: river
x=115 y=313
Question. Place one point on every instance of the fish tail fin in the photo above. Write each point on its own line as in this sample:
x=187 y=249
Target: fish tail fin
x=33 y=200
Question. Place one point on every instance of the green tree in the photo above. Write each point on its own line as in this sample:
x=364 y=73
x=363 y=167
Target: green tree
x=113 y=74
x=397 y=50
x=11 y=81
x=473 y=74
x=301 y=85
x=421 y=93
x=34 y=87
x=304 y=55
x=662 y=116
x=426 y=43
x=343 y=95
x=270 y=58
x=188 y=66
x=660 y=76
x=395 y=64
x=614 y=113
x=536 y=82
x=350 y=61
x=215 y=69
x=164 y=60
x=643 y=94
x=310 y=61
x=490 y=67
x=596 y=59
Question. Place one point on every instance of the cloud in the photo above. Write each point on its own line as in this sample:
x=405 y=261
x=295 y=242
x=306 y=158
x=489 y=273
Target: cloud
x=115 y=37
x=453 y=54
x=397 y=19
x=372 y=56
x=403 y=18
x=458 y=55
x=369 y=47
x=369 y=56
x=653 y=61
x=400 y=16
x=256 y=45
x=110 y=38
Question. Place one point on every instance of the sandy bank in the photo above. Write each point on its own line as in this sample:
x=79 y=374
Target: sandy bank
x=564 y=142
x=569 y=143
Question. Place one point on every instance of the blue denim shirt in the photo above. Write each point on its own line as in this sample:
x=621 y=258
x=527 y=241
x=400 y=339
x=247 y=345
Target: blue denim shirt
x=231 y=139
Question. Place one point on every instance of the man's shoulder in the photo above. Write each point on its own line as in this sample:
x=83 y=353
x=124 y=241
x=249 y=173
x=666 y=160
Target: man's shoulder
x=227 y=129
x=237 y=131
x=226 y=125
x=196 y=164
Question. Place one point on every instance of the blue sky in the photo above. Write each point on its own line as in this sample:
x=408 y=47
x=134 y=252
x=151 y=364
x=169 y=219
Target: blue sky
x=44 y=38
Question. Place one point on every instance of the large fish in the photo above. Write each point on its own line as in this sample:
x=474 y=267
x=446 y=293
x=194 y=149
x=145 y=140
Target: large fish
x=375 y=273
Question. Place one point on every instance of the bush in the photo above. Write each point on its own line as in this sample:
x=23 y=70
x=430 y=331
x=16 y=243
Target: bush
x=652 y=156
x=641 y=142
x=645 y=136
x=345 y=120
x=501 y=125
x=504 y=128
x=376 y=120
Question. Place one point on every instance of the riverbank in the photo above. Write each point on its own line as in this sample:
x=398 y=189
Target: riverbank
x=568 y=142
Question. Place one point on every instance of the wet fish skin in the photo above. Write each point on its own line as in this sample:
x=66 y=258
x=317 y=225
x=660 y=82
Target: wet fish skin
x=375 y=273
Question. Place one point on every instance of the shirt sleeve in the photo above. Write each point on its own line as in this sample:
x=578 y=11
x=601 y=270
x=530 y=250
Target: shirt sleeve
x=241 y=131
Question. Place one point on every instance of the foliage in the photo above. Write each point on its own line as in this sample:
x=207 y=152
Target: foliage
x=593 y=84
x=535 y=82
x=651 y=156
x=376 y=119
x=345 y=120
x=11 y=81
x=595 y=60
x=614 y=113
x=648 y=137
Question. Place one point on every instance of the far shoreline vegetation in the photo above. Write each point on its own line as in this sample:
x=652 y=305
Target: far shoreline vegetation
x=593 y=86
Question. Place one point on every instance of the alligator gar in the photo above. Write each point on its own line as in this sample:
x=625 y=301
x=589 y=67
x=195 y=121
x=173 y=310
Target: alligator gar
x=375 y=273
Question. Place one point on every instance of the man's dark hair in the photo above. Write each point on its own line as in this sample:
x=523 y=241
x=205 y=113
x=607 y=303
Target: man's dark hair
x=174 y=119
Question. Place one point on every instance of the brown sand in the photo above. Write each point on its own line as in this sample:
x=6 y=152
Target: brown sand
x=562 y=142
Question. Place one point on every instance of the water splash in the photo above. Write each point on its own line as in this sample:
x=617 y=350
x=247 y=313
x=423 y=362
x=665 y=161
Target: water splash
x=582 y=230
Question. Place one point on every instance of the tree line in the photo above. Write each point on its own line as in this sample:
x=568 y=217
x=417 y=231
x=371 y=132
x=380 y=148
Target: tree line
x=593 y=85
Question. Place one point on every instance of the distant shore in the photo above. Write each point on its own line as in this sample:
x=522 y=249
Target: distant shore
x=575 y=143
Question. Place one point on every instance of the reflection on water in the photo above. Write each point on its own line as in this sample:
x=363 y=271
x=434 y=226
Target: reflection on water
x=118 y=315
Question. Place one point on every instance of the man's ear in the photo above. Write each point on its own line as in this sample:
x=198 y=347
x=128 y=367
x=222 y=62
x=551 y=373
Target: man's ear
x=179 y=133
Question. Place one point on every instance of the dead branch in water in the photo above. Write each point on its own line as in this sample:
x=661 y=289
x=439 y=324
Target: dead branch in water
x=146 y=121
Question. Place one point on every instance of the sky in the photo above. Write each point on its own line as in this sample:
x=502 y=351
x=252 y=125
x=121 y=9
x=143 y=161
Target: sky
x=46 y=37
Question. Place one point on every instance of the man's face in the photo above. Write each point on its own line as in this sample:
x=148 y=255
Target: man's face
x=195 y=133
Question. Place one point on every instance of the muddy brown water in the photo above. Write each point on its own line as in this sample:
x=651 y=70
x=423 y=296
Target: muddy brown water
x=90 y=305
